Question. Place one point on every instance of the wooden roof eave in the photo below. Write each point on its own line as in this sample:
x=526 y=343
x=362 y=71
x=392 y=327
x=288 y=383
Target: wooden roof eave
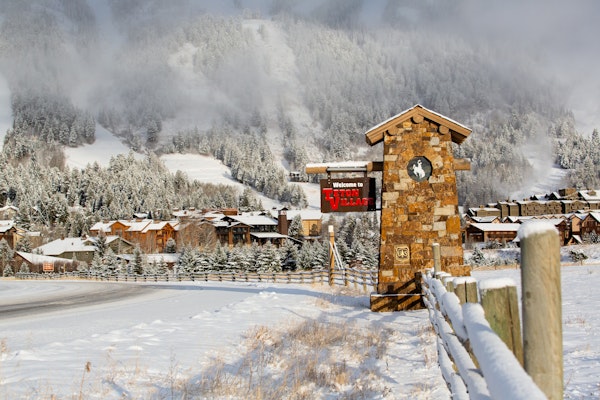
x=458 y=132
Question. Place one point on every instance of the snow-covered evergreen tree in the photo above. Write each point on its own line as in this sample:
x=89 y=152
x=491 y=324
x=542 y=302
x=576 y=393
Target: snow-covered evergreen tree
x=171 y=246
x=295 y=229
x=7 y=271
x=188 y=260
x=24 y=269
x=269 y=259
x=137 y=263
x=6 y=254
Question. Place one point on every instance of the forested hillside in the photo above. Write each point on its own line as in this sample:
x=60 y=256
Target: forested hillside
x=265 y=85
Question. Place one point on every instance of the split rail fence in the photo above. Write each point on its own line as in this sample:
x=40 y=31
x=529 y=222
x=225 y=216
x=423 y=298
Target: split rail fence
x=480 y=350
x=359 y=279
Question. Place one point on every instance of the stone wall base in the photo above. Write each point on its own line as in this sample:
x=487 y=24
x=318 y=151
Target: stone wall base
x=395 y=302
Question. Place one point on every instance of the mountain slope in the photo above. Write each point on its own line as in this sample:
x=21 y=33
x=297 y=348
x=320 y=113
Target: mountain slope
x=312 y=78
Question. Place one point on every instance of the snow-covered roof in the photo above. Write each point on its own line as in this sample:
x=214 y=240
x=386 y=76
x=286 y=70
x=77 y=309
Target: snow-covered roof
x=340 y=166
x=91 y=240
x=590 y=195
x=6 y=225
x=60 y=246
x=553 y=221
x=485 y=220
x=268 y=235
x=37 y=259
x=138 y=226
x=102 y=226
x=497 y=227
x=157 y=226
x=254 y=220
x=595 y=215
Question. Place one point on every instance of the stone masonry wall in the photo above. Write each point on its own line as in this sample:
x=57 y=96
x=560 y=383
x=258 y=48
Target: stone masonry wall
x=417 y=214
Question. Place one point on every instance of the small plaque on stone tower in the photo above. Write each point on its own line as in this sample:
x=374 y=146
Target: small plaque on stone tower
x=402 y=254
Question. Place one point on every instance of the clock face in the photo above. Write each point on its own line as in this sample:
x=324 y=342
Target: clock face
x=419 y=169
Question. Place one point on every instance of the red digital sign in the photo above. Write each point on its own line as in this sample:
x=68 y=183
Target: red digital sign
x=347 y=195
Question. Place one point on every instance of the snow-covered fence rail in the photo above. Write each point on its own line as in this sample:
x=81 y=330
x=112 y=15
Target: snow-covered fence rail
x=475 y=362
x=364 y=279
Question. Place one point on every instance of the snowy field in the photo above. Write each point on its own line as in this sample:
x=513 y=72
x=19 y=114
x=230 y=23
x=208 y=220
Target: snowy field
x=154 y=344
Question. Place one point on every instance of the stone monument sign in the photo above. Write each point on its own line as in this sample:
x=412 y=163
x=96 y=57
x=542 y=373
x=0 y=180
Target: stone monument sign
x=419 y=203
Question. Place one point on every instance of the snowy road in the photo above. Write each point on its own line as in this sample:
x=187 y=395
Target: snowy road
x=18 y=301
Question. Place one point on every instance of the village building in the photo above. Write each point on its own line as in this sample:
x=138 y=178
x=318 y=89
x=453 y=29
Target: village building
x=8 y=232
x=482 y=220
x=39 y=263
x=591 y=224
x=508 y=209
x=484 y=212
x=482 y=232
x=83 y=248
x=151 y=235
x=311 y=221
x=69 y=248
x=248 y=228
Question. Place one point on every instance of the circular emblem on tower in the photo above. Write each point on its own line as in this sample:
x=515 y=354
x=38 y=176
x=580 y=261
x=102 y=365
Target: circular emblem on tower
x=419 y=169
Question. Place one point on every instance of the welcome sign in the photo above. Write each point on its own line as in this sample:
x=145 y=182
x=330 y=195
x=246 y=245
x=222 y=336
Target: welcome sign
x=347 y=195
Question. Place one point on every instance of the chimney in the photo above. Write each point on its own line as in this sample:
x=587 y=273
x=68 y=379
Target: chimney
x=282 y=221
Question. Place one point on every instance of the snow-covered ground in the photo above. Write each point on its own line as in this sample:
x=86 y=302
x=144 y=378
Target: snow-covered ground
x=104 y=147
x=153 y=345
x=140 y=347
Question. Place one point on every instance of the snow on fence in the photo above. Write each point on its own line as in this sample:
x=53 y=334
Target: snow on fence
x=480 y=350
x=359 y=279
x=475 y=362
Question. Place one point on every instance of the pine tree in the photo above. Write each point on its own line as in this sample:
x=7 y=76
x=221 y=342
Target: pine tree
x=24 y=268
x=162 y=268
x=187 y=260
x=219 y=258
x=24 y=244
x=269 y=260
x=138 y=261
x=6 y=253
x=100 y=245
x=110 y=261
x=7 y=271
x=295 y=229
x=305 y=256
x=171 y=246
x=289 y=255
x=97 y=266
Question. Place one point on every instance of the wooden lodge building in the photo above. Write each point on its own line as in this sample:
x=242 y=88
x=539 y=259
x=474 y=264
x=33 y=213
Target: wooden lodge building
x=576 y=215
x=229 y=227
x=550 y=204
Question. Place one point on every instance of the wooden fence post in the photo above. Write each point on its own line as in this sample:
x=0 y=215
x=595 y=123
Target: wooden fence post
x=437 y=260
x=542 y=302
x=501 y=305
x=465 y=289
x=331 y=255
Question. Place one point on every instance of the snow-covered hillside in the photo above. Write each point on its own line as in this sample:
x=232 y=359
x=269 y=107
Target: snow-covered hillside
x=104 y=147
